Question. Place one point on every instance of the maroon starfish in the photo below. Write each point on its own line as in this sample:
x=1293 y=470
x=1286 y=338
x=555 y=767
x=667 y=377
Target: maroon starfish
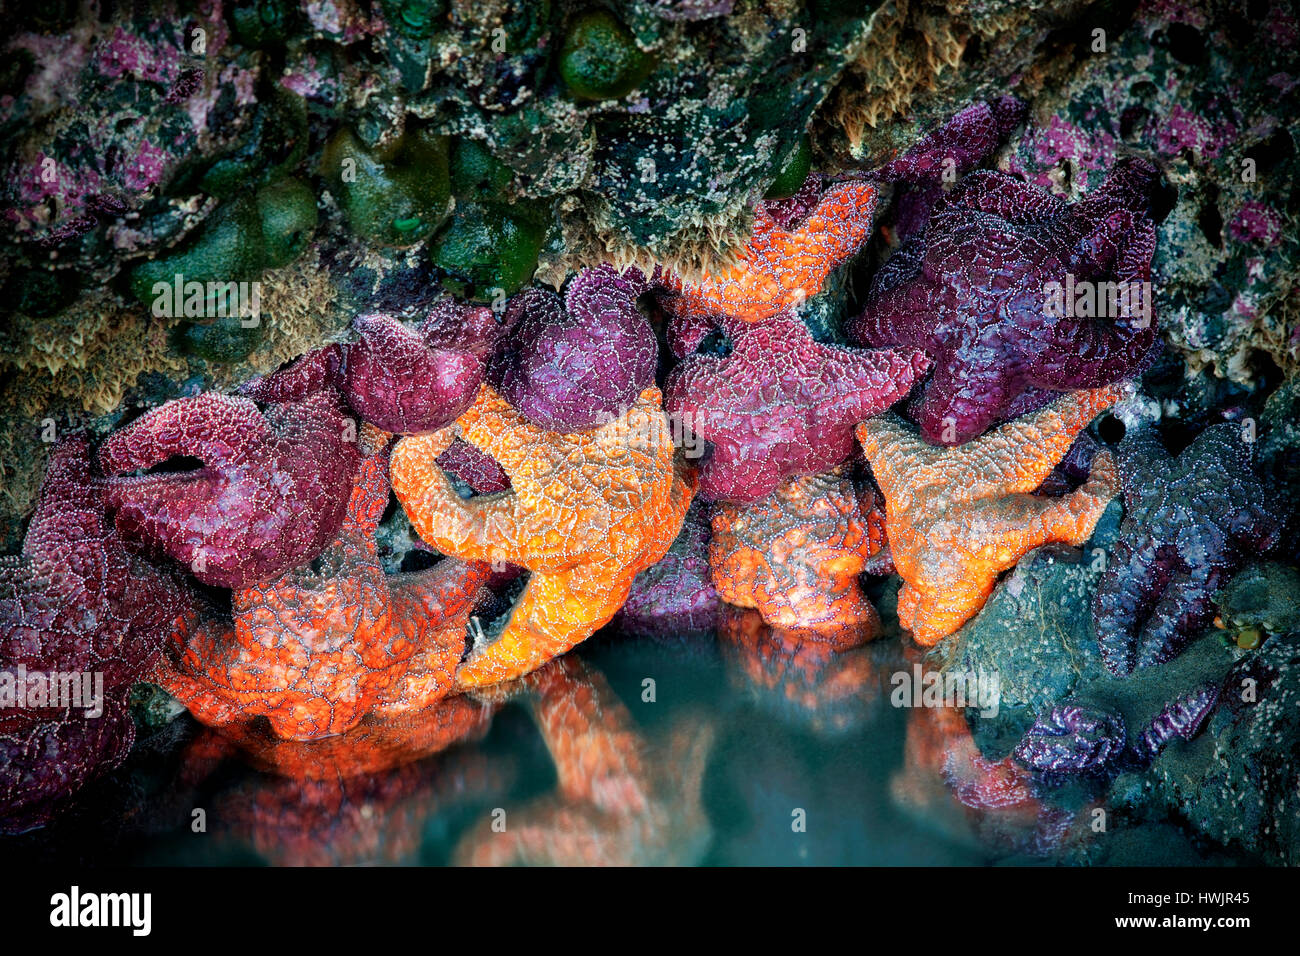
x=269 y=493
x=782 y=404
x=985 y=290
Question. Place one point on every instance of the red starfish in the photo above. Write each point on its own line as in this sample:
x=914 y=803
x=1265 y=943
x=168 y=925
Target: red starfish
x=782 y=404
x=269 y=494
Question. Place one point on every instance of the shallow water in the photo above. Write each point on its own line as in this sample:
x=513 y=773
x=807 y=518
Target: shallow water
x=774 y=754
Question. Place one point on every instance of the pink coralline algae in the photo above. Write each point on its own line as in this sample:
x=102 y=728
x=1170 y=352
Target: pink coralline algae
x=73 y=603
x=411 y=381
x=1017 y=295
x=146 y=169
x=572 y=365
x=269 y=492
x=1190 y=522
x=1256 y=223
x=781 y=404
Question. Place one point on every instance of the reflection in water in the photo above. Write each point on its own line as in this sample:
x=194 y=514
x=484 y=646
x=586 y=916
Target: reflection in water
x=950 y=785
x=760 y=746
x=619 y=800
x=368 y=796
x=799 y=676
x=363 y=797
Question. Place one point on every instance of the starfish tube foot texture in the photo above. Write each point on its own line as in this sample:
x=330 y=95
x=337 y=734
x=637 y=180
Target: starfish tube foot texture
x=585 y=513
x=781 y=404
x=796 y=556
x=781 y=267
x=1017 y=295
x=1190 y=522
x=959 y=517
x=269 y=493
x=316 y=650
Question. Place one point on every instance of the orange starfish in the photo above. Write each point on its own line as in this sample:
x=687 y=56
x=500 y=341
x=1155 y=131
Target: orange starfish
x=620 y=801
x=586 y=512
x=317 y=649
x=958 y=517
x=796 y=556
x=779 y=269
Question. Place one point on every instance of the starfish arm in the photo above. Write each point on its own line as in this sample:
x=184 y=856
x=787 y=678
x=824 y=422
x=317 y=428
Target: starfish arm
x=1088 y=352
x=960 y=400
x=493 y=427
x=550 y=832
x=1015 y=458
x=935 y=614
x=899 y=310
x=1142 y=463
x=895 y=454
x=1136 y=573
x=838 y=225
x=209 y=704
x=1184 y=609
x=1030 y=521
x=590 y=736
x=555 y=613
x=444 y=592
x=202 y=427
x=1011 y=199
x=473 y=529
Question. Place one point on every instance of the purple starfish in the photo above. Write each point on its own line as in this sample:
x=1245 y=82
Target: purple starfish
x=47 y=755
x=675 y=595
x=74 y=599
x=1182 y=717
x=411 y=381
x=400 y=379
x=481 y=472
x=998 y=289
x=1189 y=523
x=937 y=159
x=781 y=404
x=269 y=493
x=574 y=365
x=73 y=602
x=1072 y=738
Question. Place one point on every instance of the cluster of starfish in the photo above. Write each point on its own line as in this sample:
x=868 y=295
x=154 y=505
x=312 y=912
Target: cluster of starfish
x=541 y=443
x=317 y=649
